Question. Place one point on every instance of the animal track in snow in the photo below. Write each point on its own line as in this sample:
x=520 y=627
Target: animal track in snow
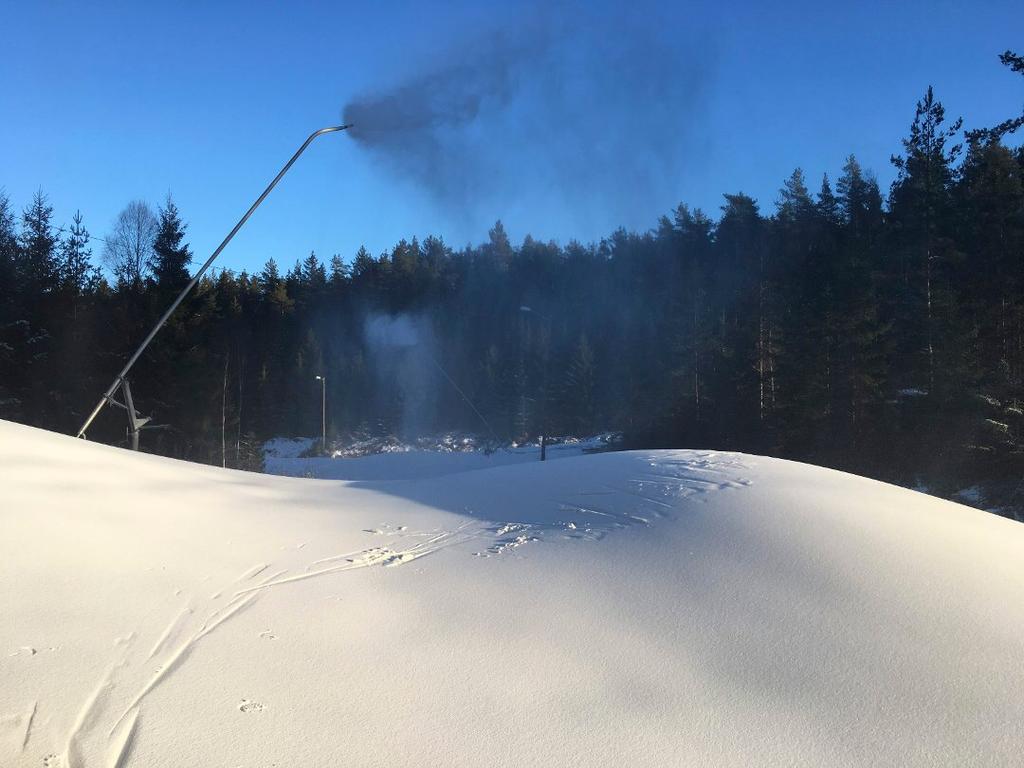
x=509 y=544
x=522 y=536
x=17 y=728
x=247 y=706
x=386 y=529
x=51 y=761
x=383 y=556
x=266 y=634
x=510 y=528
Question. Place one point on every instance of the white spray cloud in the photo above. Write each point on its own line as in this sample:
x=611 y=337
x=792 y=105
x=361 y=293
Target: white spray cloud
x=401 y=350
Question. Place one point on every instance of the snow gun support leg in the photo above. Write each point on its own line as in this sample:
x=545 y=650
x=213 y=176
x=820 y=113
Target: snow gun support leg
x=135 y=421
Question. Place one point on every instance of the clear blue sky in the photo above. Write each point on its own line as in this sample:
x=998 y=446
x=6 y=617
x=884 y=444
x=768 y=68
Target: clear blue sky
x=101 y=103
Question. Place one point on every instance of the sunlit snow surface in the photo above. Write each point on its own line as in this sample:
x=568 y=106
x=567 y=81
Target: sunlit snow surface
x=647 y=608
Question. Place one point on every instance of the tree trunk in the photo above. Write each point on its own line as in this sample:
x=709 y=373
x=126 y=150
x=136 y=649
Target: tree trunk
x=224 y=414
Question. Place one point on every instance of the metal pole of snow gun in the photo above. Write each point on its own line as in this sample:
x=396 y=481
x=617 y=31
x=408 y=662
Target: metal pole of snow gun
x=108 y=395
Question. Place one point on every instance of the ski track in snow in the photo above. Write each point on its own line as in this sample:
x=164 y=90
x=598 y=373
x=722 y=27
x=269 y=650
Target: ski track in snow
x=170 y=631
x=90 y=710
x=253 y=572
x=120 y=748
x=651 y=496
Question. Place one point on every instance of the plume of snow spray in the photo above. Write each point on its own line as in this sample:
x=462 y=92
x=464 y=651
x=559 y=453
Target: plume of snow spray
x=398 y=347
x=583 y=116
x=402 y=347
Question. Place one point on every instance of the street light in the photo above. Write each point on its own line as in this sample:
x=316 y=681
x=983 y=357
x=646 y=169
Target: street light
x=323 y=413
x=120 y=380
x=544 y=388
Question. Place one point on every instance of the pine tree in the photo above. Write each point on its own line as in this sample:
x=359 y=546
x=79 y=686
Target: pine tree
x=990 y=199
x=920 y=201
x=8 y=251
x=340 y=272
x=499 y=247
x=579 y=389
x=313 y=274
x=747 y=323
x=1010 y=125
x=10 y=300
x=827 y=203
x=802 y=288
x=270 y=276
x=274 y=290
x=75 y=265
x=794 y=204
x=36 y=264
x=363 y=263
x=170 y=257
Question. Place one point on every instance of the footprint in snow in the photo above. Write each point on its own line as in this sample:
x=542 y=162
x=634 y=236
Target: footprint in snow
x=266 y=634
x=247 y=706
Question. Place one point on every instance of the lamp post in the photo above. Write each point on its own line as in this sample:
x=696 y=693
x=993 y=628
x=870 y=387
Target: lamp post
x=323 y=413
x=543 y=389
x=120 y=378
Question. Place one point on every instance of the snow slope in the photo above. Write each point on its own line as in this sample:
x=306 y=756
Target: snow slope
x=642 y=608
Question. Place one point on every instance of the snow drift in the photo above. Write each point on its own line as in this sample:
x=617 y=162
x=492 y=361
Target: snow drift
x=640 y=608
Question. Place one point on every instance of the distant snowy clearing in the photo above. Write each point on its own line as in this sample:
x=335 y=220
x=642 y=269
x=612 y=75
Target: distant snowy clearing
x=394 y=460
x=645 y=608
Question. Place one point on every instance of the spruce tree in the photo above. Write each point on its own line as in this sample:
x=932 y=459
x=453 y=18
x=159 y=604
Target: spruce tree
x=8 y=251
x=10 y=299
x=36 y=263
x=579 y=389
x=75 y=266
x=171 y=257
x=827 y=204
x=314 y=276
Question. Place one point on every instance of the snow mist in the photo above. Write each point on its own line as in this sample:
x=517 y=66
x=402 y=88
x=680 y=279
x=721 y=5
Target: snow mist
x=401 y=351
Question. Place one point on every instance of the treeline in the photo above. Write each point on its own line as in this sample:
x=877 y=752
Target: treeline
x=881 y=334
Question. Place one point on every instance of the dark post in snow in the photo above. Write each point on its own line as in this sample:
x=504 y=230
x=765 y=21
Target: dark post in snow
x=120 y=378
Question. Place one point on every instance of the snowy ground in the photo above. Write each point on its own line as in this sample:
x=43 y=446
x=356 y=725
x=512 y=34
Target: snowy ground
x=638 y=608
x=428 y=457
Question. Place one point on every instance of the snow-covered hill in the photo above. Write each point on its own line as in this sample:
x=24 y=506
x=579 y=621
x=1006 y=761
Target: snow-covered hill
x=642 y=608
